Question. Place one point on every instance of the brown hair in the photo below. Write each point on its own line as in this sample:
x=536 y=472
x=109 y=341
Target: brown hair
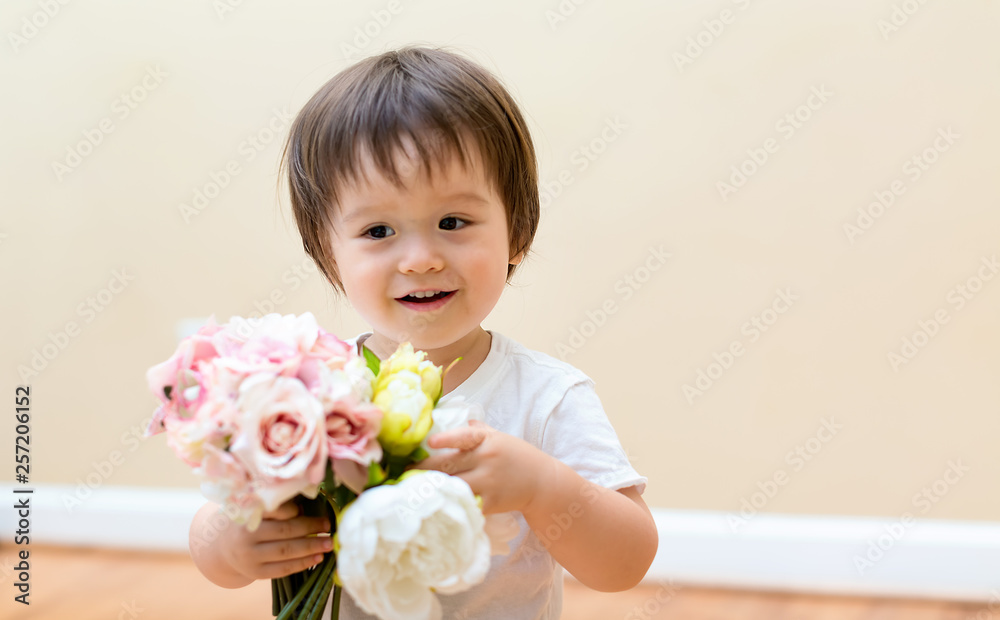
x=434 y=98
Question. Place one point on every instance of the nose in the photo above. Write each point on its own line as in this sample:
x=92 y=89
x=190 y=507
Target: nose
x=420 y=255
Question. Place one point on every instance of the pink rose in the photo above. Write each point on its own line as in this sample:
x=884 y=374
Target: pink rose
x=300 y=331
x=213 y=423
x=262 y=354
x=227 y=482
x=291 y=346
x=328 y=353
x=281 y=440
x=352 y=440
x=177 y=382
x=335 y=351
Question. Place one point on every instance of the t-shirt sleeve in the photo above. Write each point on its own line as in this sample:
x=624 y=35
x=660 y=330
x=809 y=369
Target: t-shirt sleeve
x=578 y=433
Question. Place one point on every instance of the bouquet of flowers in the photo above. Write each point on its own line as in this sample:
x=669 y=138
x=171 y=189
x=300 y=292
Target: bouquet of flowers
x=276 y=408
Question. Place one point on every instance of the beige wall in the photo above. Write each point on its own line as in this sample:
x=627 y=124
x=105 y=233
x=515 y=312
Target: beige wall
x=680 y=129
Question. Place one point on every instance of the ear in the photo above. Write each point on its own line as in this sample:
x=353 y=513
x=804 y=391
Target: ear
x=517 y=259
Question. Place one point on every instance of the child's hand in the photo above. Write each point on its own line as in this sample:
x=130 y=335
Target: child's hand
x=280 y=546
x=502 y=469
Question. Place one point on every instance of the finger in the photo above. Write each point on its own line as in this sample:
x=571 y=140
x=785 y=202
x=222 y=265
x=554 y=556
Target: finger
x=298 y=527
x=291 y=550
x=478 y=483
x=467 y=438
x=452 y=462
x=288 y=510
x=276 y=570
x=472 y=479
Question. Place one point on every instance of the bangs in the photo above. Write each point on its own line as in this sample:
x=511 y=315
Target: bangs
x=427 y=118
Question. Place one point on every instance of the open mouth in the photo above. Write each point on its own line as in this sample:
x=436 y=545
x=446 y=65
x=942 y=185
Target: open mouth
x=427 y=300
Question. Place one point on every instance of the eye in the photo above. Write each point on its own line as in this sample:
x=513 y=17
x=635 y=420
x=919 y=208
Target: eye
x=378 y=232
x=453 y=223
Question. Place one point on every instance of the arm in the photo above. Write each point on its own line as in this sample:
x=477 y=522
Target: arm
x=606 y=539
x=206 y=529
x=230 y=556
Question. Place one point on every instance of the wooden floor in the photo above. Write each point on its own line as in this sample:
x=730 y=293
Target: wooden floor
x=91 y=584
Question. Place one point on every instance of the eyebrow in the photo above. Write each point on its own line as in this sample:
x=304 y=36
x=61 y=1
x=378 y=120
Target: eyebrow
x=468 y=197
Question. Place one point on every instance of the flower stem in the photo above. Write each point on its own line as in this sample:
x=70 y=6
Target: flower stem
x=335 y=606
x=286 y=588
x=314 y=609
x=293 y=604
x=335 y=612
x=325 y=574
x=275 y=598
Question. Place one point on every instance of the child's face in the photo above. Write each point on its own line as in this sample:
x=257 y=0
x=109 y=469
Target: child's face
x=445 y=234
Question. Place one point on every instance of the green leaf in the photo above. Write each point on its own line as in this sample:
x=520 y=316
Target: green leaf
x=444 y=374
x=419 y=454
x=372 y=359
x=376 y=475
x=329 y=482
x=343 y=496
x=394 y=467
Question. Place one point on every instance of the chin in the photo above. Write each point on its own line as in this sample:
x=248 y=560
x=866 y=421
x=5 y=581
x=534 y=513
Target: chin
x=440 y=340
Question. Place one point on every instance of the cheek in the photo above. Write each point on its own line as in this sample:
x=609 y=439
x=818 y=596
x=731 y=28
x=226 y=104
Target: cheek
x=488 y=271
x=359 y=272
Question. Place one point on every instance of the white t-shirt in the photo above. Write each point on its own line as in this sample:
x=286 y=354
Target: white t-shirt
x=553 y=406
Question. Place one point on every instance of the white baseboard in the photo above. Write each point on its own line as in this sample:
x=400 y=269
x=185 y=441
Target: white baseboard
x=934 y=559
x=108 y=516
x=949 y=560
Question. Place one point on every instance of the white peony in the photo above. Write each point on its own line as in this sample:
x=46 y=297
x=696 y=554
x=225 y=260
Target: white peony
x=399 y=543
x=452 y=413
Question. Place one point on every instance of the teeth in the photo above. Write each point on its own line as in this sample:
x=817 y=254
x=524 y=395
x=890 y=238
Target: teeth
x=421 y=294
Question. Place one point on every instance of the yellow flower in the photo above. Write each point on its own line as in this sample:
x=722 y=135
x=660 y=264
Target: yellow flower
x=406 y=389
x=405 y=358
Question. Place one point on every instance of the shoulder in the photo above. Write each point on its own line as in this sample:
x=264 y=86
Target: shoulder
x=539 y=366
